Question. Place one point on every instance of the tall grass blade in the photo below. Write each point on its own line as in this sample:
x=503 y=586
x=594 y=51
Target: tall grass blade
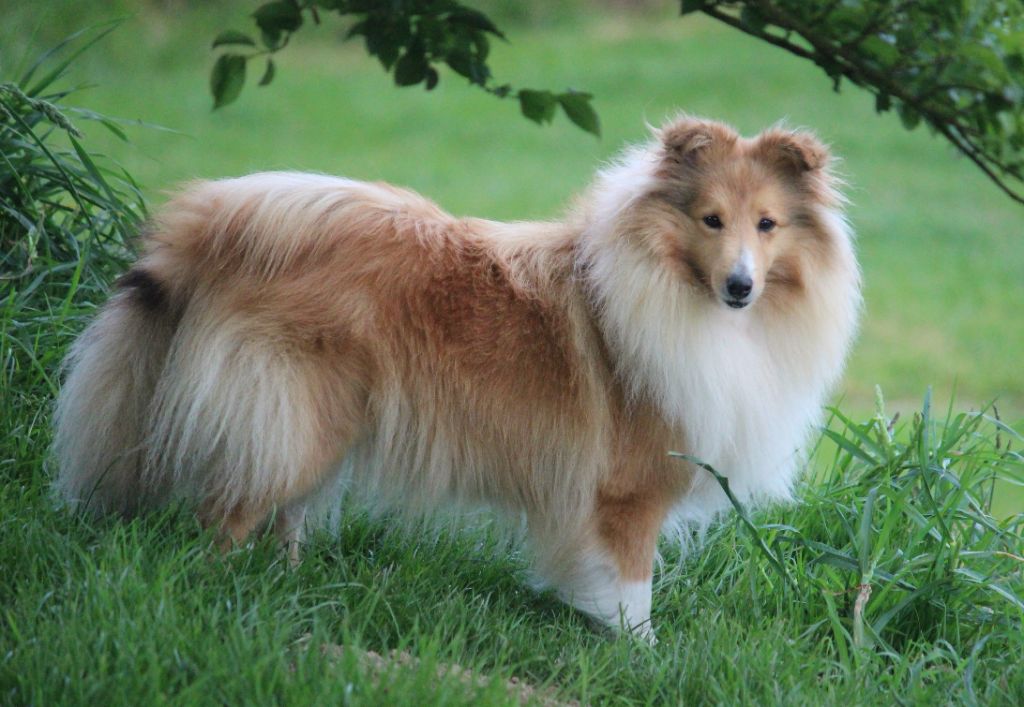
x=741 y=511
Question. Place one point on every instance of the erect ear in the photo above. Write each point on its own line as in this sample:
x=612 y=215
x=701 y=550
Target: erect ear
x=793 y=151
x=688 y=141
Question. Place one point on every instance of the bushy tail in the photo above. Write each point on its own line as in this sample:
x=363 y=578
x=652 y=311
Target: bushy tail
x=178 y=390
x=103 y=410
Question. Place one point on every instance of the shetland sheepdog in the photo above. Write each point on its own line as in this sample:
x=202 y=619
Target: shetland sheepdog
x=701 y=296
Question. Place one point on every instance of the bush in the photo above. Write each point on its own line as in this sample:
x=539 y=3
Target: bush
x=63 y=212
x=66 y=220
x=894 y=552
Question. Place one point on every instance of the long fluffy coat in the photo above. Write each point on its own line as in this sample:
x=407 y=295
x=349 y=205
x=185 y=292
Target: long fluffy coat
x=280 y=323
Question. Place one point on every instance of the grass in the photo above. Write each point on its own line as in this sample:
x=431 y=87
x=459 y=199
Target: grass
x=143 y=611
x=903 y=584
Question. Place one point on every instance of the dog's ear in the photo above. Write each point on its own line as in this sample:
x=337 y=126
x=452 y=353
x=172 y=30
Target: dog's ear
x=795 y=152
x=688 y=141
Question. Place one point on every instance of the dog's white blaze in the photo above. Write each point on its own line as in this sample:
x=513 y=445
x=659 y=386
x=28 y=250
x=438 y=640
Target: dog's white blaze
x=746 y=264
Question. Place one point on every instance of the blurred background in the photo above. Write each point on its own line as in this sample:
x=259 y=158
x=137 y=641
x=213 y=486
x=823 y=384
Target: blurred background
x=941 y=248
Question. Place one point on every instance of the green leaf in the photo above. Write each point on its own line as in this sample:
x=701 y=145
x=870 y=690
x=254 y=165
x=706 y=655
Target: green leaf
x=475 y=19
x=909 y=117
x=884 y=52
x=382 y=45
x=361 y=27
x=58 y=71
x=465 y=64
x=432 y=78
x=577 y=107
x=268 y=74
x=689 y=6
x=850 y=447
x=864 y=534
x=227 y=79
x=91 y=167
x=860 y=431
x=741 y=511
x=986 y=582
x=752 y=19
x=113 y=128
x=538 y=106
x=280 y=16
x=829 y=556
x=271 y=39
x=411 y=69
x=233 y=37
x=482 y=46
x=56 y=49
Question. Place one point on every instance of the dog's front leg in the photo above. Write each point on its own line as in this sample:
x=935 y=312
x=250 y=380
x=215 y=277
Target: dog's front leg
x=599 y=590
x=605 y=569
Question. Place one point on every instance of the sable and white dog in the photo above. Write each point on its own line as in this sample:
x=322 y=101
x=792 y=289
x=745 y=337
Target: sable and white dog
x=700 y=297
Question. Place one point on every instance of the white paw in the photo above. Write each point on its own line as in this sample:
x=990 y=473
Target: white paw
x=644 y=632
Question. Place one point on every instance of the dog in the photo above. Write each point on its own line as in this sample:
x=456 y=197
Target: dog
x=701 y=296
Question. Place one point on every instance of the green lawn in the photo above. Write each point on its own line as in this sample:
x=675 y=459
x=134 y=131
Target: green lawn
x=114 y=612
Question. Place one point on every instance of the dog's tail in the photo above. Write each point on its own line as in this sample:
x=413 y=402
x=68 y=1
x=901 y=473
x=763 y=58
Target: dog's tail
x=182 y=388
x=103 y=409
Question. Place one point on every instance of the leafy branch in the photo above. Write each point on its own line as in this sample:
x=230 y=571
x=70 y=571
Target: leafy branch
x=957 y=66
x=412 y=39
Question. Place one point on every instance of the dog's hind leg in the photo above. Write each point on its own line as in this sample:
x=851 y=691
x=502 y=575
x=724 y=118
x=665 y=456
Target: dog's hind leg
x=251 y=427
x=290 y=530
x=283 y=511
x=234 y=527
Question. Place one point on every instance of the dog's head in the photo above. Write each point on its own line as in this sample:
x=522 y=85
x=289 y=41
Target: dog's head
x=740 y=219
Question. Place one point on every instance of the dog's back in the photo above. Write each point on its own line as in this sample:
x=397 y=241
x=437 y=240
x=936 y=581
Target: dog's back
x=279 y=321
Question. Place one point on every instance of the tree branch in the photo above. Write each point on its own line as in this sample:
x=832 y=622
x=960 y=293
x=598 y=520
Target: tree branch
x=844 y=57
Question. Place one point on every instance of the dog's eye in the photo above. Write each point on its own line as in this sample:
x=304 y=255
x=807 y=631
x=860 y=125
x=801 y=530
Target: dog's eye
x=713 y=221
x=765 y=225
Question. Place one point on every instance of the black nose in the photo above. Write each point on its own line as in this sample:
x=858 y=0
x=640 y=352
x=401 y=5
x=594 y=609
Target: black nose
x=739 y=286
